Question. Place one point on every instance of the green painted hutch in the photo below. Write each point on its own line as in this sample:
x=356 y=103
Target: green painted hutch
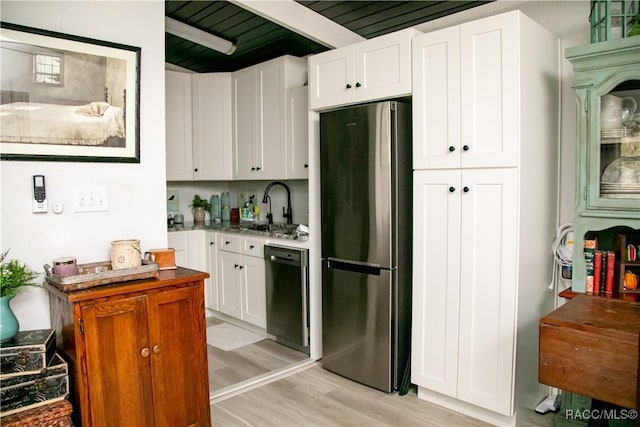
x=607 y=87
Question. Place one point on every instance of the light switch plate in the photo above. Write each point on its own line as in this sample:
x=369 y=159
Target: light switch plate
x=91 y=199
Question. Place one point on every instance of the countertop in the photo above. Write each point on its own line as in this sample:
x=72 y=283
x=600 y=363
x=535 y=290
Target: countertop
x=227 y=227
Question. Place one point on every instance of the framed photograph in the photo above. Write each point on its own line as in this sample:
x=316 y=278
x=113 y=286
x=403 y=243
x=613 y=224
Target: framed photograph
x=67 y=98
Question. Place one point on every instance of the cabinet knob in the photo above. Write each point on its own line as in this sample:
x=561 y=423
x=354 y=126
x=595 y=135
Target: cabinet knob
x=465 y=147
x=226 y=242
x=358 y=85
x=348 y=86
x=241 y=267
x=251 y=246
x=212 y=243
x=145 y=352
x=235 y=266
x=452 y=189
x=257 y=168
x=253 y=168
x=156 y=349
x=306 y=165
x=195 y=170
x=452 y=148
x=465 y=189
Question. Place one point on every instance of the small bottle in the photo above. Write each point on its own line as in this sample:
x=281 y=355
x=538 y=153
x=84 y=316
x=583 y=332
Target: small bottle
x=215 y=207
x=226 y=208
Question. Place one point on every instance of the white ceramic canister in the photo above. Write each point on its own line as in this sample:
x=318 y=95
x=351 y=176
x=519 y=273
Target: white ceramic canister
x=65 y=266
x=125 y=254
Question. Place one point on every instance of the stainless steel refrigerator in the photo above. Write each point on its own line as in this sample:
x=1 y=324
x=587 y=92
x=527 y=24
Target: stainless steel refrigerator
x=365 y=159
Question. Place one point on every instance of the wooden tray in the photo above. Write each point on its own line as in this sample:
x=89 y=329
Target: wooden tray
x=98 y=274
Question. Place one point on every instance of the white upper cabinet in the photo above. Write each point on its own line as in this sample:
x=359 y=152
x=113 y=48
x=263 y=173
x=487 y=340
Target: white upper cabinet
x=211 y=126
x=374 y=69
x=466 y=95
x=198 y=108
x=178 y=126
x=298 y=133
x=259 y=119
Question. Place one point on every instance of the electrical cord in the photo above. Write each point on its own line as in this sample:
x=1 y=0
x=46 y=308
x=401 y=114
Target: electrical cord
x=563 y=253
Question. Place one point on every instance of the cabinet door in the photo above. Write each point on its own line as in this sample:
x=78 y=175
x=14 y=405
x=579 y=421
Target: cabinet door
x=297 y=152
x=490 y=91
x=178 y=126
x=212 y=126
x=211 y=284
x=436 y=280
x=269 y=146
x=383 y=66
x=488 y=282
x=244 y=131
x=196 y=250
x=332 y=78
x=178 y=241
x=177 y=341
x=229 y=286
x=115 y=339
x=254 y=304
x=436 y=100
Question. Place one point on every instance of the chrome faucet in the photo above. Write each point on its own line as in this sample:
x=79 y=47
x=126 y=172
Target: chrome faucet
x=288 y=214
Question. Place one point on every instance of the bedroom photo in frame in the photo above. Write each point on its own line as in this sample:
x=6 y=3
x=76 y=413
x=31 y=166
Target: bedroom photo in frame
x=67 y=98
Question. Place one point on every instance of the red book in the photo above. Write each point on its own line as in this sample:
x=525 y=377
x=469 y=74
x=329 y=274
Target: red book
x=611 y=259
x=597 y=271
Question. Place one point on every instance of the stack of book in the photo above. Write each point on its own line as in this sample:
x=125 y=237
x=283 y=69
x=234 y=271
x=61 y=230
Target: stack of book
x=32 y=374
x=600 y=268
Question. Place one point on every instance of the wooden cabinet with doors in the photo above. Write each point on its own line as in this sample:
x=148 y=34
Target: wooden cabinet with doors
x=259 y=116
x=137 y=350
x=374 y=69
x=485 y=144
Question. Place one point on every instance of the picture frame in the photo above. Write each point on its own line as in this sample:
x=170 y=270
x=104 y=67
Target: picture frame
x=67 y=98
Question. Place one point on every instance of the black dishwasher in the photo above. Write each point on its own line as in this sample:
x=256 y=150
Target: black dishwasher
x=287 y=296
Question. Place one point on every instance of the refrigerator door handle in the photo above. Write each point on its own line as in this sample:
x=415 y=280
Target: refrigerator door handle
x=355 y=266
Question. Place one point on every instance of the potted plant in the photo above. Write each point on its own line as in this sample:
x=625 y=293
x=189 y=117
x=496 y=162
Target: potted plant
x=13 y=276
x=199 y=207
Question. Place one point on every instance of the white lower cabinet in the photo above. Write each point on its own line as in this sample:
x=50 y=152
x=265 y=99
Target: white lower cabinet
x=192 y=251
x=241 y=278
x=190 y=248
x=465 y=331
x=211 y=284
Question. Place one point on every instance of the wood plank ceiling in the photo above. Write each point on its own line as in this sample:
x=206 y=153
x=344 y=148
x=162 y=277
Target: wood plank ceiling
x=259 y=39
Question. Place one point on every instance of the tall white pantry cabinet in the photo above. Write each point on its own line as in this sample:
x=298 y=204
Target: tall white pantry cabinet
x=485 y=117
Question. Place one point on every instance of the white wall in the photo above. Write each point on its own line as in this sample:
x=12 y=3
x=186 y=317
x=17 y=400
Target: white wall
x=136 y=191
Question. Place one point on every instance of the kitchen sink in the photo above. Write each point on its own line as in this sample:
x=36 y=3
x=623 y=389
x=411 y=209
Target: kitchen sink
x=283 y=231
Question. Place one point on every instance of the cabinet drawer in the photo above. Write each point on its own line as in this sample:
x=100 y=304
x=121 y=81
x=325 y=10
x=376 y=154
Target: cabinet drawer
x=229 y=243
x=253 y=247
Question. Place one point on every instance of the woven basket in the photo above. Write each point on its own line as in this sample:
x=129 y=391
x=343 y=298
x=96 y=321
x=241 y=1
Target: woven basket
x=57 y=414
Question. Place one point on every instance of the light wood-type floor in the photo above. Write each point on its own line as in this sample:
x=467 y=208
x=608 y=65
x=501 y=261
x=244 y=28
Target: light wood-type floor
x=317 y=397
x=227 y=368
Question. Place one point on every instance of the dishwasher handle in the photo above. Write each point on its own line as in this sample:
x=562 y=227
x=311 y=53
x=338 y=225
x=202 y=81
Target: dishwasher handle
x=283 y=256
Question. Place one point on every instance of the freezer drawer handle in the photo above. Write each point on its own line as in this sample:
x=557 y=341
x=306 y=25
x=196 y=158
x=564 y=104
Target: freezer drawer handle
x=356 y=268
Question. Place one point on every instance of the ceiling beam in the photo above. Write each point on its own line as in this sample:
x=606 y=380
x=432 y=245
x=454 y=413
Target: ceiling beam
x=302 y=20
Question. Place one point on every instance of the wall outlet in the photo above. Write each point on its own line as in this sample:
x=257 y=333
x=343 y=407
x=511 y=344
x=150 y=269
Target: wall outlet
x=91 y=199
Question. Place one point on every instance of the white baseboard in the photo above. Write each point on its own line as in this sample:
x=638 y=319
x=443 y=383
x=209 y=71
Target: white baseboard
x=466 y=408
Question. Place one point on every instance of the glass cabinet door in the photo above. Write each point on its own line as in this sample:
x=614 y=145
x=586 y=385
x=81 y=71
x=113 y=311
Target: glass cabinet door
x=614 y=155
